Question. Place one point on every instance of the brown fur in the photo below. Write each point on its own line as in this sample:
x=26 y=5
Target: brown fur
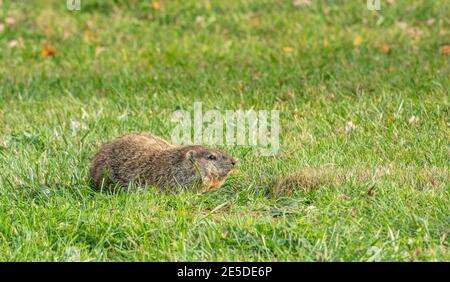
x=149 y=160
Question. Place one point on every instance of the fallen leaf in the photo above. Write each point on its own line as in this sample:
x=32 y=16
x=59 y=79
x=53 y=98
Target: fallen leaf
x=357 y=40
x=443 y=238
x=353 y=211
x=225 y=234
x=434 y=182
x=386 y=48
x=88 y=36
x=311 y=208
x=288 y=50
x=349 y=127
x=431 y=21
x=48 y=31
x=200 y=20
x=289 y=95
x=413 y=32
x=99 y=50
x=445 y=49
x=370 y=192
x=156 y=5
x=417 y=252
x=253 y=20
x=255 y=73
x=402 y=25
x=76 y=125
x=413 y=120
x=67 y=34
x=391 y=118
x=10 y=21
x=90 y=24
x=48 y=50
x=13 y=43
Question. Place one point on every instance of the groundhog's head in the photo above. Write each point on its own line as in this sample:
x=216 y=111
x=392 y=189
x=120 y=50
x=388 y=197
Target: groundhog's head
x=213 y=165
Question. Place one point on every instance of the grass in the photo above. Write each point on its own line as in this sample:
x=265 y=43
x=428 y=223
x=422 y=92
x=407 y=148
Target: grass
x=125 y=66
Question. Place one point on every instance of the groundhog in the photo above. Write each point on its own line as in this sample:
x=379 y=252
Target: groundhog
x=148 y=160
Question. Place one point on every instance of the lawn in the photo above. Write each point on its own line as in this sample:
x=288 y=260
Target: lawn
x=363 y=98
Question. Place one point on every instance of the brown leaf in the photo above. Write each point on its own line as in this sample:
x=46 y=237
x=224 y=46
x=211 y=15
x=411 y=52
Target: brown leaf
x=225 y=234
x=386 y=48
x=255 y=73
x=67 y=34
x=48 y=50
x=156 y=5
x=353 y=211
x=445 y=49
x=288 y=50
x=88 y=36
x=417 y=252
x=99 y=50
x=370 y=192
x=10 y=21
x=434 y=182
x=289 y=95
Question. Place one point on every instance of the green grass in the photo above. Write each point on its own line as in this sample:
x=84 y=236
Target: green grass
x=228 y=55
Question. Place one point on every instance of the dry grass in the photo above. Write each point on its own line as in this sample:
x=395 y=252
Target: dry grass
x=309 y=179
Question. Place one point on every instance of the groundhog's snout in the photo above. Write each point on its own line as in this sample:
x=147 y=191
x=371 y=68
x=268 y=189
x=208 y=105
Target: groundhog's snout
x=231 y=164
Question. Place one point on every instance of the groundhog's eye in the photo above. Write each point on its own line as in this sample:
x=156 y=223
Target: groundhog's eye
x=211 y=157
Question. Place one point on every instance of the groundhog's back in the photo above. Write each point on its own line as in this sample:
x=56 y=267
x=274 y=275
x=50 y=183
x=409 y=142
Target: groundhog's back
x=106 y=164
